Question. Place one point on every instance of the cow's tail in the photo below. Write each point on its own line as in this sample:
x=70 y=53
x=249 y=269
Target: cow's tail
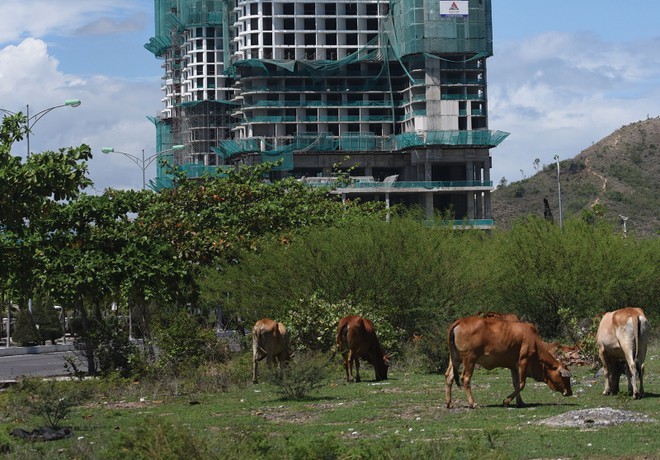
x=342 y=337
x=638 y=333
x=454 y=358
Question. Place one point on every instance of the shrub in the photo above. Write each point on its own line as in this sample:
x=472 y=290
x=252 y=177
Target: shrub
x=158 y=439
x=182 y=343
x=312 y=323
x=50 y=400
x=307 y=372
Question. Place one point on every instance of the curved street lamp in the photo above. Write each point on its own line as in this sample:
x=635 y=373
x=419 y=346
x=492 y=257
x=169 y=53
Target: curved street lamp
x=142 y=162
x=32 y=120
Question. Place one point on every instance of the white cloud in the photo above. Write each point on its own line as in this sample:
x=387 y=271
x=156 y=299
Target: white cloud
x=113 y=111
x=37 y=18
x=557 y=93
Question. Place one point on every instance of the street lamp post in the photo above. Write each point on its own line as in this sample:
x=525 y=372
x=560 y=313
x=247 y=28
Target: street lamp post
x=561 y=217
x=142 y=162
x=32 y=120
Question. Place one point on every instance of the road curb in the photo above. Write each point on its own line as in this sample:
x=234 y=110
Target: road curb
x=14 y=351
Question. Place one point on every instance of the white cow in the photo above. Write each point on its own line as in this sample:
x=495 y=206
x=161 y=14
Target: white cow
x=622 y=338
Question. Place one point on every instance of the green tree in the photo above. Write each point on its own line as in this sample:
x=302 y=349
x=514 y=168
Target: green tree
x=29 y=191
x=551 y=276
x=413 y=274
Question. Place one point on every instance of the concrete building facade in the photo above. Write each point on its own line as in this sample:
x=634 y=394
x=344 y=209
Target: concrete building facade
x=394 y=92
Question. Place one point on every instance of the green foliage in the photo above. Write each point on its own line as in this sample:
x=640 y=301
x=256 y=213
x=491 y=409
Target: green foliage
x=113 y=350
x=307 y=372
x=29 y=191
x=182 y=342
x=50 y=400
x=26 y=332
x=408 y=272
x=581 y=271
x=157 y=439
x=312 y=323
x=433 y=347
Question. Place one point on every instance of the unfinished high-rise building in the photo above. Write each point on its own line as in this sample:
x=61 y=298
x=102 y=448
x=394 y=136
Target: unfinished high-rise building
x=393 y=92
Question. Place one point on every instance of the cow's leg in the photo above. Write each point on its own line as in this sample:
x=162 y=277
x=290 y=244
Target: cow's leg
x=516 y=390
x=257 y=355
x=466 y=377
x=518 y=377
x=449 y=381
x=640 y=372
x=348 y=364
x=255 y=359
x=633 y=375
x=357 y=369
x=608 y=369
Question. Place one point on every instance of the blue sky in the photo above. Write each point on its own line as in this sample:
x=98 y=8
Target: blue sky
x=564 y=75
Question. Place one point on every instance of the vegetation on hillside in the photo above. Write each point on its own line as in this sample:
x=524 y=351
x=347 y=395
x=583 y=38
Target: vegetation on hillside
x=617 y=176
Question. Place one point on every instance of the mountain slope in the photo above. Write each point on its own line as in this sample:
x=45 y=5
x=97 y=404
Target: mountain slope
x=619 y=174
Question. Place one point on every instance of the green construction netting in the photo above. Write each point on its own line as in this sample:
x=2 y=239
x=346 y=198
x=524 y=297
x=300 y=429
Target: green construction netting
x=454 y=138
x=195 y=171
x=415 y=26
x=206 y=101
x=229 y=148
x=173 y=16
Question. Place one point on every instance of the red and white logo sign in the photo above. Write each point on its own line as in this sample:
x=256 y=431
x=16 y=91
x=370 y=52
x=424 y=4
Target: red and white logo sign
x=454 y=8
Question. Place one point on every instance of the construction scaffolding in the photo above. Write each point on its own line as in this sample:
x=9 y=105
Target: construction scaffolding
x=400 y=86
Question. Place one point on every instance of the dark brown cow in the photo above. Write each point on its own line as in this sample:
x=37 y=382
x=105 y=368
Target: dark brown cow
x=495 y=343
x=622 y=341
x=356 y=338
x=271 y=341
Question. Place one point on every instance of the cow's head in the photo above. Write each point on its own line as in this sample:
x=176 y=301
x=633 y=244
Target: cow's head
x=381 y=366
x=558 y=378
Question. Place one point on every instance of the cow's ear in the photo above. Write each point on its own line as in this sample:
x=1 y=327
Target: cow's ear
x=564 y=372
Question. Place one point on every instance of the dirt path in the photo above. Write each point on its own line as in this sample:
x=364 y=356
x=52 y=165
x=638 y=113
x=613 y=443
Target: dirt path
x=603 y=180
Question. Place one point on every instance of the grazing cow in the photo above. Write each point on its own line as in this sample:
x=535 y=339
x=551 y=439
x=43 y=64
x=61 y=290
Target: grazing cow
x=271 y=341
x=495 y=343
x=356 y=338
x=622 y=340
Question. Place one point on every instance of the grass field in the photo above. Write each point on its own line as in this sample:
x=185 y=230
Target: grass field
x=404 y=417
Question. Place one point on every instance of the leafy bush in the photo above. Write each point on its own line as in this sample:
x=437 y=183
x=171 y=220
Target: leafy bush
x=50 y=400
x=113 y=350
x=158 y=440
x=312 y=323
x=26 y=332
x=308 y=371
x=433 y=349
x=182 y=343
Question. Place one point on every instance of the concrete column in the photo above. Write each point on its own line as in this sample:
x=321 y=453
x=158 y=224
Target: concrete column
x=479 y=206
x=428 y=171
x=487 y=208
x=470 y=205
x=428 y=202
x=387 y=206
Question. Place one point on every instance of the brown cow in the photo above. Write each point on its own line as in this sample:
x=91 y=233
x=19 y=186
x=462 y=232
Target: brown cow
x=356 y=338
x=271 y=341
x=495 y=343
x=622 y=340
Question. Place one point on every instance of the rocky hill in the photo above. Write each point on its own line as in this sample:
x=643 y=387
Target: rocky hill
x=617 y=176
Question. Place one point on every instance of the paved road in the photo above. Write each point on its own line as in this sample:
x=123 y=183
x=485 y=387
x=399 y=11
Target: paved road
x=38 y=365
